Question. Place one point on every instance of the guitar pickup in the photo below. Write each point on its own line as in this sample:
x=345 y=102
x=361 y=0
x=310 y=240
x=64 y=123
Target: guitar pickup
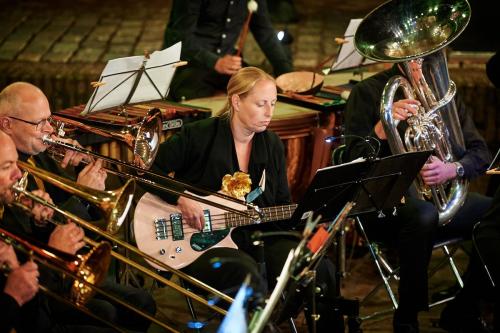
x=176 y=225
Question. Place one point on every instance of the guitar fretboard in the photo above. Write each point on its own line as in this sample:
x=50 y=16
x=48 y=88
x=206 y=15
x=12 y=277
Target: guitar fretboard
x=270 y=214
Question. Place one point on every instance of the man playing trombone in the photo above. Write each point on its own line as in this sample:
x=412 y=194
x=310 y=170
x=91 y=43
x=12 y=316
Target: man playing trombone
x=25 y=117
x=21 y=283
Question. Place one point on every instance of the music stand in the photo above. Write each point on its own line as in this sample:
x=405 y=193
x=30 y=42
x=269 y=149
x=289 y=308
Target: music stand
x=135 y=79
x=374 y=185
x=348 y=57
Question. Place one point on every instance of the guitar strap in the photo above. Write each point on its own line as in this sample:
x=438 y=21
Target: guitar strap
x=259 y=189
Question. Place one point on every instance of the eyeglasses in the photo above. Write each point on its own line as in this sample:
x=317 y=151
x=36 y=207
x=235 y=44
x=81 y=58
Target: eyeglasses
x=39 y=125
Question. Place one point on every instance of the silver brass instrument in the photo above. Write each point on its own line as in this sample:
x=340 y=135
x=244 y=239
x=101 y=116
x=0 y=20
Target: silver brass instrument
x=414 y=34
x=91 y=267
x=142 y=138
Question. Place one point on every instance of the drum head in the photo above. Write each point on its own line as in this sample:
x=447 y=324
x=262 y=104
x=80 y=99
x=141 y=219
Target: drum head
x=304 y=83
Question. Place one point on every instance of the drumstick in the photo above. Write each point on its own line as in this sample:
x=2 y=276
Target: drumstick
x=252 y=7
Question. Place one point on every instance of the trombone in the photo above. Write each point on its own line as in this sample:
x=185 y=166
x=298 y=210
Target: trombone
x=251 y=211
x=88 y=270
x=142 y=138
x=77 y=189
x=113 y=204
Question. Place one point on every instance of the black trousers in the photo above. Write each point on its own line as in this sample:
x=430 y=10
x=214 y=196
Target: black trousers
x=487 y=240
x=108 y=310
x=413 y=232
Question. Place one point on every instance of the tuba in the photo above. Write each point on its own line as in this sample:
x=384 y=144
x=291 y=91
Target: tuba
x=414 y=34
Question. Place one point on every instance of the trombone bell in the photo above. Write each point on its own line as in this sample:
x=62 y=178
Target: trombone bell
x=114 y=204
x=91 y=267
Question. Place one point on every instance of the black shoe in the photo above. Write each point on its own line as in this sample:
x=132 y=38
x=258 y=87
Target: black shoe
x=406 y=328
x=456 y=320
x=405 y=322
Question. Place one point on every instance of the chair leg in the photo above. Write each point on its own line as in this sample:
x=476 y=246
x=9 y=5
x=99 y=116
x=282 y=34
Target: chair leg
x=190 y=306
x=453 y=266
x=375 y=256
x=291 y=323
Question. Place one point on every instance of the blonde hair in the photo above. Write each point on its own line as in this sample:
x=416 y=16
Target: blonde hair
x=241 y=83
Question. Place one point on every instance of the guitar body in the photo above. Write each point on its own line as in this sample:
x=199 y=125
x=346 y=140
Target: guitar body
x=160 y=232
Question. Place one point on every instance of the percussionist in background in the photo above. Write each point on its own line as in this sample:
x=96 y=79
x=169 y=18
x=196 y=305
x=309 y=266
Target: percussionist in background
x=209 y=32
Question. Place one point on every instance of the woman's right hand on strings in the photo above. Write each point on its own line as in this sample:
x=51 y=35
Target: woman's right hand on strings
x=192 y=213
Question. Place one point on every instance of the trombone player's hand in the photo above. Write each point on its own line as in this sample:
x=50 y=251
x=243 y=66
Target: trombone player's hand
x=40 y=212
x=192 y=213
x=72 y=157
x=67 y=238
x=93 y=176
x=22 y=281
x=7 y=255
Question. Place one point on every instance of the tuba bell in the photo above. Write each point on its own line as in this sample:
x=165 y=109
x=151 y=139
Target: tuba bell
x=414 y=34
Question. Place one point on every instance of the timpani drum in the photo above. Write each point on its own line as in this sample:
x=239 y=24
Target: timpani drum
x=293 y=125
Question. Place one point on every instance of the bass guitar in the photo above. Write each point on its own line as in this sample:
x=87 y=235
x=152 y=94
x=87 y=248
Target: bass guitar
x=160 y=231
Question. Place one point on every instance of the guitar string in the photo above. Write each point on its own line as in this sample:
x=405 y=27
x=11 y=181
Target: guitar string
x=242 y=221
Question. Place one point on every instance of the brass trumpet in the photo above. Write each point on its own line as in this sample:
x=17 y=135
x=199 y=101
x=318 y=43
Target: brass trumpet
x=114 y=204
x=143 y=138
x=91 y=267
x=76 y=189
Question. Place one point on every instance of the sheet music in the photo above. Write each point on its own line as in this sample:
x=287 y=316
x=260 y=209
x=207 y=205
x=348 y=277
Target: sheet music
x=119 y=76
x=348 y=56
x=160 y=74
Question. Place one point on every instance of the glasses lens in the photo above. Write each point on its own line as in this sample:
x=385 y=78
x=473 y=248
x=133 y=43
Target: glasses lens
x=43 y=123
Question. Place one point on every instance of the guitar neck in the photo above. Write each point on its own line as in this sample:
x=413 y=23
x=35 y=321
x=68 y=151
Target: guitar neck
x=270 y=214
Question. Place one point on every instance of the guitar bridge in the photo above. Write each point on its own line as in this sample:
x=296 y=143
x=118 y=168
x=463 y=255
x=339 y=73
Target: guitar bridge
x=161 y=230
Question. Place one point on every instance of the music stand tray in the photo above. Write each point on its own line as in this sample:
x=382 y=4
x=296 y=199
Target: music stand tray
x=374 y=185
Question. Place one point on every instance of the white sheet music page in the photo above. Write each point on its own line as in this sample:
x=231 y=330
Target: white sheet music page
x=115 y=83
x=118 y=79
x=348 y=56
x=159 y=73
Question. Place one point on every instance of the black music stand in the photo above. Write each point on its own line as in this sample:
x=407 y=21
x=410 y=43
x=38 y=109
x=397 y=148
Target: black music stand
x=373 y=185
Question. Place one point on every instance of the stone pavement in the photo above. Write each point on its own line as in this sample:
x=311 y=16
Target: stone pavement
x=63 y=45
